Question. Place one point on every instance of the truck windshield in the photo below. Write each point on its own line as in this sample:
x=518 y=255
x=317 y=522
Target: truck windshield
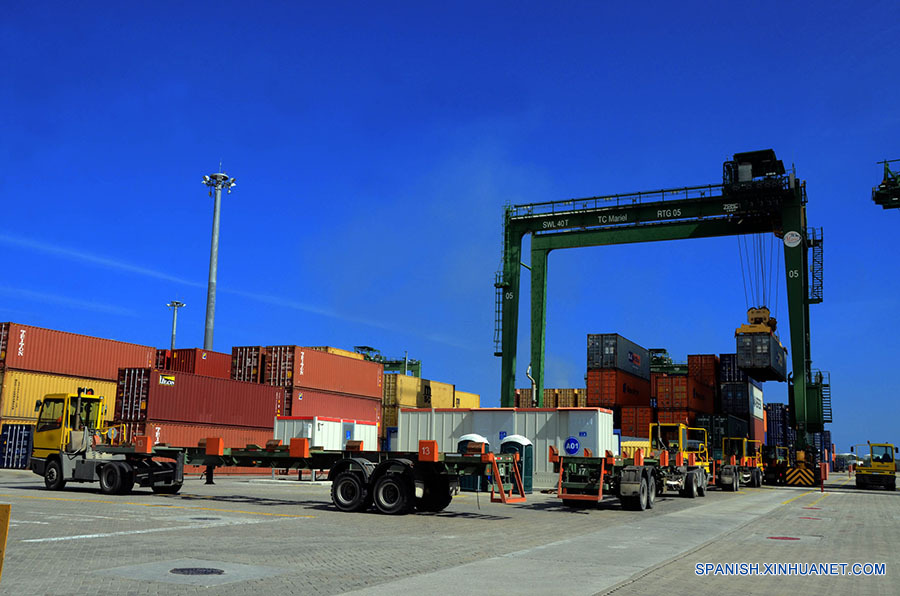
x=882 y=454
x=51 y=415
x=87 y=416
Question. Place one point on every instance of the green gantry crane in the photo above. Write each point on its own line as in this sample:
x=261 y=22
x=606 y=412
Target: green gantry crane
x=756 y=196
x=405 y=366
x=887 y=194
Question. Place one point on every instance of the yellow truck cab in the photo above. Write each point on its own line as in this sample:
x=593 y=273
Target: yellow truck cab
x=878 y=468
x=683 y=454
x=741 y=463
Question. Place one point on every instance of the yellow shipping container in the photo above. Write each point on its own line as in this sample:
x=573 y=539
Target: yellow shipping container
x=22 y=389
x=467 y=400
x=628 y=448
x=389 y=416
x=413 y=392
x=338 y=352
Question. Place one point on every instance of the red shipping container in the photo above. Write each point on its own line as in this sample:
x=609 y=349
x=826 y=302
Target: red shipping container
x=700 y=397
x=664 y=391
x=24 y=347
x=636 y=421
x=314 y=402
x=613 y=387
x=758 y=429
x=147 y=394
x=195 y=361
x=675 y=416
x=295 y=366
x=248 y=363
x=704 y=368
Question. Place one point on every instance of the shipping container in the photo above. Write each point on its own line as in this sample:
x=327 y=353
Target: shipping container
x=610 y=387
x=314 y=402
x=15 y=445
x=338 y=352
x=720 y=426
x=524 y=400
x=295 y=366
x=612 y=351
x=23 y=347
x=579 y=428
x=683 y=392
x=147 y=394
x=465 y=399
x=195 y=361
x=762 y=356
x=676 y=416
x=22 y=390
x=636 y=421
x=743 y=400
x=389 y=416
x=757 y=430
x=415 y=392
x=776 y=425
x=248 y=363
x=322 y=432
x=704 y=368
x=730 y=372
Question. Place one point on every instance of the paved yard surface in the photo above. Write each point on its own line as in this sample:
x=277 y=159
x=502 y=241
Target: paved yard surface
x=283 y=537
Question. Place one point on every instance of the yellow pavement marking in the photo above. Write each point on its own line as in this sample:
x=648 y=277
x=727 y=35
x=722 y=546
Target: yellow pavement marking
x=164 y=506
x=797 y=497
x=819 y=499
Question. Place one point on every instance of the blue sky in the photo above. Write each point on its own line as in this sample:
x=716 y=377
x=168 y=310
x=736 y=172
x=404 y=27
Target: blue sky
x=374 y=148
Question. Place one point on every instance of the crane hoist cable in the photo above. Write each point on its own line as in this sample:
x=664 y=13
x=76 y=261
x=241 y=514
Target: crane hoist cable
x=758 y=272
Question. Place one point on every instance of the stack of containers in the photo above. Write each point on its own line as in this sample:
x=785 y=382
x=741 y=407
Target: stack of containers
x=718 y=427
x=822 y=443
x=315 y=382
x=195 y=361
x=618 y=378
x=406 y=391
x=777 y=422
x=741 y=395
x=553 y=398
x=681 y=396
x=35 y=361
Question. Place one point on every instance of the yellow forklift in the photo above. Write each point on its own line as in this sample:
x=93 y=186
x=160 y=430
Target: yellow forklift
x=683 y=458
x=878 y=468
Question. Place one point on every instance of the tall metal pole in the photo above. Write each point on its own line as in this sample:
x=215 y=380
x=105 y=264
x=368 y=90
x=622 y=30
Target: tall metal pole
x=175 y=305
x=215 y=182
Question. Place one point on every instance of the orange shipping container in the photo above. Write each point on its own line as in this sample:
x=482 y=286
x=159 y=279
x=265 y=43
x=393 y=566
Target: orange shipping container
x=704 y=368
x=611 y=387
x=675 y=416
x=636 y=421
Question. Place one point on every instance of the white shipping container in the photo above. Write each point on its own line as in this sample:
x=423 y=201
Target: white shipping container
x=324 y=433
x=572 y=428
x=367 y=432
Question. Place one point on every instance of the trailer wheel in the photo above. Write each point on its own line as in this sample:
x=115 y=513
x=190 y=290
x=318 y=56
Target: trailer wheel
x=127 y=477
x=736 y=483
x=349 y=493
x=639 y=501
x=691 y=488
x=437 y=494
x=111 y=478
x=651 y=491
x=392 y=494
x=53 y=477
x=701 y=485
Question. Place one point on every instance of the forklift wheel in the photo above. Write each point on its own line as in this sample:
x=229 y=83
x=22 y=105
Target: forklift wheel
x=53 y=478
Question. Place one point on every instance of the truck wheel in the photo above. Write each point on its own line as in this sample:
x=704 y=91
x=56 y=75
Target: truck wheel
x=127 y=477
x=701 y=485
x=651 y=491
x=691 y=482
x=640 y=502
x=53 y=477
x=348 y=492
x=166 y=489
x=392 y=494
x=110 y=478
x=437 y=494
x=736 y=483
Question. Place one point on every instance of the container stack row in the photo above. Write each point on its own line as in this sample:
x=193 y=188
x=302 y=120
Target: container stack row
x=35 y=361
x=553 y=398
x=405 y=391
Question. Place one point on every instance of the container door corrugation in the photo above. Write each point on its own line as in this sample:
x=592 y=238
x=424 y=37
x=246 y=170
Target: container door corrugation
x=15 y=445
x=248 y=364
x=132 y=393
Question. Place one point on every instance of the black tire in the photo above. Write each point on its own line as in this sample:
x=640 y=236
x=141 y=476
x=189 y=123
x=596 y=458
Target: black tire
x=691 y=485
x=651 y=491
x=643 y=495
x=702 y=484
x=437 y=494
x=393 y=494
x=349 y=493
x=53 y=476
x=736 y=483
x=111 y=478
x=166 y=489
x=127 y=478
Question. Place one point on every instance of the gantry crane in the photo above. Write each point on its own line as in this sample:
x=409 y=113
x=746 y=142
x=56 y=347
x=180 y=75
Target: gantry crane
x=756 y=196
x=887 y=194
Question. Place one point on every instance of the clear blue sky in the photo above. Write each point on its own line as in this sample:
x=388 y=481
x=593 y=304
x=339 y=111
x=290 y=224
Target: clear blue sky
x=375 y=145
